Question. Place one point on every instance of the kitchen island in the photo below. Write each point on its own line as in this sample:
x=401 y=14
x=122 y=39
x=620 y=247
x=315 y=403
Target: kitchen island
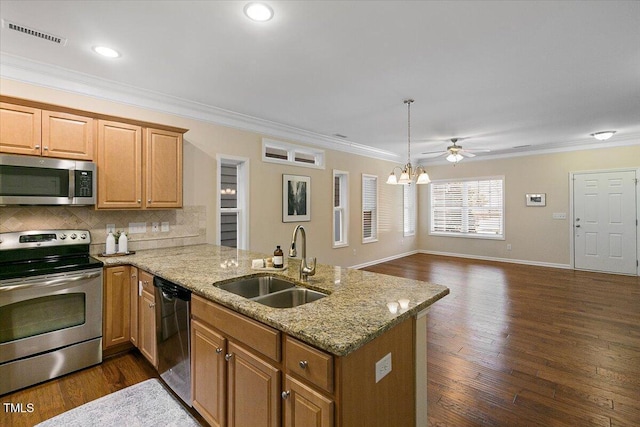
x=348 y=324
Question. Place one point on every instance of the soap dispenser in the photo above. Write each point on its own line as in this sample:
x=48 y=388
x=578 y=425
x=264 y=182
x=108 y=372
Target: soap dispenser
x=111 y=244
x=278 y=258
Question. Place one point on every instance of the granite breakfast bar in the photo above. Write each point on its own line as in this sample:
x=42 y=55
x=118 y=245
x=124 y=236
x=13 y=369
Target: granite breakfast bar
x=345 y=324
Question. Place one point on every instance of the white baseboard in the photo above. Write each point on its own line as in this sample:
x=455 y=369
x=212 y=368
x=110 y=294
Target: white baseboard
x=378 y=261
x=509 y=260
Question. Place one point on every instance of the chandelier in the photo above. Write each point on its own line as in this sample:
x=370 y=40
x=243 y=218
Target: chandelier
x=407 y=173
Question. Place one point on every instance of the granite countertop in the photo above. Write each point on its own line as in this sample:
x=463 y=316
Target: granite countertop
x=354 y=313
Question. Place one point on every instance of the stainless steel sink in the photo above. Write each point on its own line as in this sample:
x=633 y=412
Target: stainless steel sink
x=257 y=286
x=273 y=291
x=289 y=298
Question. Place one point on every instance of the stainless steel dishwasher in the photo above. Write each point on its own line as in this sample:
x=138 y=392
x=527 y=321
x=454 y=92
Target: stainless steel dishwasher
x=172 y=320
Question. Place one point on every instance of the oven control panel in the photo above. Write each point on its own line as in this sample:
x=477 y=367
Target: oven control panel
x=43 y=238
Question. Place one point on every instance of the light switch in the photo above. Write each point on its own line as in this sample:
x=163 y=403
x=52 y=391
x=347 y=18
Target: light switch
x=559 y=215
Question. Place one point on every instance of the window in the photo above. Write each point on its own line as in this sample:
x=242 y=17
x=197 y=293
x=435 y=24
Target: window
x=369 y=208
x=290 y=154
x=233 y=178
x=468 y=208
x=340 y=208
x=409 y=210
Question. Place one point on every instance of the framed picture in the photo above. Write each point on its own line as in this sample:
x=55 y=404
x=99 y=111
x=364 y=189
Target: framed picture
x=296 y=198
x=539 y=199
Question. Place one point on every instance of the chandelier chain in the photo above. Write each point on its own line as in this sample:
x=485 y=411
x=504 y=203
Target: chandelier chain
x=408 y=102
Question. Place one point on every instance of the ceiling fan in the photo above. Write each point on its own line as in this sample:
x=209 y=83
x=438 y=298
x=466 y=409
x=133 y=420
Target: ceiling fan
x=455 y=152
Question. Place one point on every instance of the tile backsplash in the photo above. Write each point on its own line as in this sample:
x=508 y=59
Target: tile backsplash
x=187 y=226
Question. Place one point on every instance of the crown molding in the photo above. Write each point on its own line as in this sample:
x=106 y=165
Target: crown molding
x=17 y=68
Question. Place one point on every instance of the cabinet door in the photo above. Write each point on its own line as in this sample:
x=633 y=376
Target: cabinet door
x=163 y=169
x=20 y=129
x=254 y=386
x=67 y=136
x=119 y=165
x=147 y=321
x=209 y=378
x=305 y=407
x=116 y=300
x=135 y=294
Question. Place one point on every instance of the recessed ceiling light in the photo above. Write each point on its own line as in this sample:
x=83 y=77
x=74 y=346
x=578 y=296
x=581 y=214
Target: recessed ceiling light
x=259 y=12
x=106 y=51
x=604 y=135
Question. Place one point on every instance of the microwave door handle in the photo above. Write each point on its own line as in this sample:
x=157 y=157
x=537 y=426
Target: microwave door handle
x=72 y=183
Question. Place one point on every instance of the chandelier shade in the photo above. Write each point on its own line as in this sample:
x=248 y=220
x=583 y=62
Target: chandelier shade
x=408 y=174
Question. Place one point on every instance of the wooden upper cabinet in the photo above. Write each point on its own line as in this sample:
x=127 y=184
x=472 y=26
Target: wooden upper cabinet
x=119 y=159
x=20 y=129
x=67 y=136
x=27 y=130
x=163 y=168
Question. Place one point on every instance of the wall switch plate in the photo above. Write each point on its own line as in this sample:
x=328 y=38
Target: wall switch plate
x=559 y=215
x=111 y=228
x=155 y=227
x=164 y=226
x=137 y=227
x=508 y=246
x=383 y=367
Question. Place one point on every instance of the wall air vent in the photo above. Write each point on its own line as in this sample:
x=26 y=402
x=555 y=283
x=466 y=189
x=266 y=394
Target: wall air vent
x=33 y=32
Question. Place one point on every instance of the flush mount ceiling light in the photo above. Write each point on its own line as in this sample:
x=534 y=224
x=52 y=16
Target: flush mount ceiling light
x=604 y=135
x=259 y=12
x=407 y=174
x=106 y=52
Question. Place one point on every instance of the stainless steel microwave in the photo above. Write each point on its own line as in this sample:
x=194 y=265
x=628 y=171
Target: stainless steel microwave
x=29 y=180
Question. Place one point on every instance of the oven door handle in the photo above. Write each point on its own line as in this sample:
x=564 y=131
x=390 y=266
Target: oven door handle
x=52 y=282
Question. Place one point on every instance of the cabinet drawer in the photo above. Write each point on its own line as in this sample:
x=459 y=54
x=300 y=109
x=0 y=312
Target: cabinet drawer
x=253 y=334
x=309 y=363
x=147 y=282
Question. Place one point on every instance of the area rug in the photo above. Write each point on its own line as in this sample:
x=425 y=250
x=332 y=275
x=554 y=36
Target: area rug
x=145 y=404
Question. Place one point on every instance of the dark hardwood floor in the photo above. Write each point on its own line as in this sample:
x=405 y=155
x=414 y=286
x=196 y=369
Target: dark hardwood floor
x=512 y=345
x=516 y=345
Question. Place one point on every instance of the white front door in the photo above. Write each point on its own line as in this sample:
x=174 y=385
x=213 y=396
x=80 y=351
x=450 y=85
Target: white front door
x=604 y=222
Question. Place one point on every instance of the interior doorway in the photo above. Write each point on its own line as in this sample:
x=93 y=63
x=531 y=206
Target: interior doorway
x=605 y=217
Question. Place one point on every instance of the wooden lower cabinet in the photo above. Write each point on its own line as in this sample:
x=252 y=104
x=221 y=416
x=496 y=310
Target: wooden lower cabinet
x=116 y=308
x=208 y=373
x=147 y=338
x=253 y=388
x=134 y=289
x=305 y=407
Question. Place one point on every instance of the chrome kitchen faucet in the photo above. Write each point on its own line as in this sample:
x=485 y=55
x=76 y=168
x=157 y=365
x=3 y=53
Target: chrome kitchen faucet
x=305 y=270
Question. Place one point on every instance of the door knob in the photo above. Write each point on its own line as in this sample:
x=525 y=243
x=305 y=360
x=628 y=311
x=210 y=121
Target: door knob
x=578 y=226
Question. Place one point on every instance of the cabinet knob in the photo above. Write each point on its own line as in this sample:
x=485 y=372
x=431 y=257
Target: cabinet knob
x=218 y=350
x=228 y=356
x=149 y=201
x=37 y=147
x=151 y=305
x=139 y=201
x=303 y=364
x=45 y=148
x=286 y=394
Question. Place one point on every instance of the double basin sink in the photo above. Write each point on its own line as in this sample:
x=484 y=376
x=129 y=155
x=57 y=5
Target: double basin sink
x=273 y=291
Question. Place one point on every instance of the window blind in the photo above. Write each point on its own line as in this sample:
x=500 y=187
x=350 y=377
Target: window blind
x=369 y=208
x=472 y=208
x=409 y=209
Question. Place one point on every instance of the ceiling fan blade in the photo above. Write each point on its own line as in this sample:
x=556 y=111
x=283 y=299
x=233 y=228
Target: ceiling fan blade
x=465 y=153
x=477 y=150
x=434 y=154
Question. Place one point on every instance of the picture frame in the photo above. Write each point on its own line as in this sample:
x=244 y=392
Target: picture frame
x=296 y=198
x=538 y=199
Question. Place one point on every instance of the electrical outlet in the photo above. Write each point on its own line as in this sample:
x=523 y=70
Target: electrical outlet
x=137 y=227
x=383 y=367
x=111 y=228
x=164 y=226
x=508 y=246
x=154 y=227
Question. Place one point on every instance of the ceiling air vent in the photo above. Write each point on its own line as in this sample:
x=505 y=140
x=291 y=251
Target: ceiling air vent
x=33 y=32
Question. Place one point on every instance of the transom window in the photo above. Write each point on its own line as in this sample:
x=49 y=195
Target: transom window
x=467 y=208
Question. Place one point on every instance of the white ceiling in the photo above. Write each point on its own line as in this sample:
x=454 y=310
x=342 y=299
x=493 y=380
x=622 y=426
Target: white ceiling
x=502 y=74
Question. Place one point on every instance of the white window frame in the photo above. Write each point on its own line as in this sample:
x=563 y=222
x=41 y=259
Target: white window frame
x=466 y=209
x=409 y=214
x=291 y=150
x=342 y=209
x=242 y=209
x=366 y=178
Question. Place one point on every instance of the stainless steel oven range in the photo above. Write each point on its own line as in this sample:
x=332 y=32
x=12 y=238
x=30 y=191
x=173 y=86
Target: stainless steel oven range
x=50 y=306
